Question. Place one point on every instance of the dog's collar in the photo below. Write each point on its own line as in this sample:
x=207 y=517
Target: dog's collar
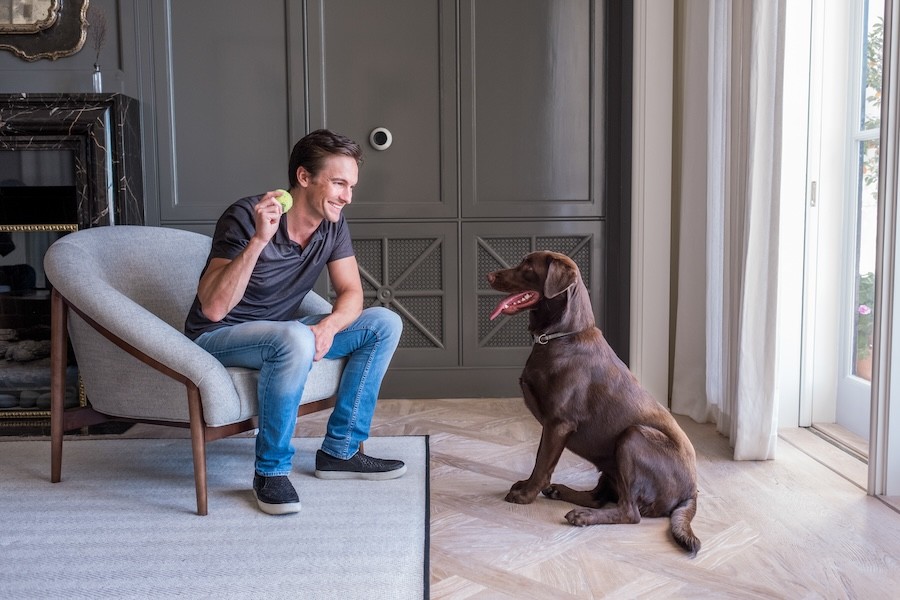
x=546 y=337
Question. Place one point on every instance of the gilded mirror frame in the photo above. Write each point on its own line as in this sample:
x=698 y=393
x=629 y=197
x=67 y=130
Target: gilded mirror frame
x=61 y=34
x=36 y=24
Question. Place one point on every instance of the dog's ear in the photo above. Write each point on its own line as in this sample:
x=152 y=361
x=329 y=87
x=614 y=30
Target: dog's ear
x=561 y=276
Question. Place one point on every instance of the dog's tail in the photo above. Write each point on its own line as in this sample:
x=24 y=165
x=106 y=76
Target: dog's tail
x=681 y=525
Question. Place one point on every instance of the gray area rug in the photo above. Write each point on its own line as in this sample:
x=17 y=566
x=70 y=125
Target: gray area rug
x=122 y=524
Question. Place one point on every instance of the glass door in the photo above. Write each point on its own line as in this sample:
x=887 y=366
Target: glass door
x=845 y=42
x=853 y=403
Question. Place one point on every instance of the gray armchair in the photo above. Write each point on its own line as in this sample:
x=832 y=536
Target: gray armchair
x=121 y=293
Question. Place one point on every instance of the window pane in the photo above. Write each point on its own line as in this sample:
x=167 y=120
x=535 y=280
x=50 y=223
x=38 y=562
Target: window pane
x=867 y=189
x=865 y=251
x=873 y=43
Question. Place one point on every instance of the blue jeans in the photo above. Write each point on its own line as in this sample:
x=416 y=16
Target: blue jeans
x=283 y=352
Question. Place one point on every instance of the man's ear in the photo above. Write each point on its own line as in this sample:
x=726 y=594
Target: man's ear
x=561 y=276
x=303 y=176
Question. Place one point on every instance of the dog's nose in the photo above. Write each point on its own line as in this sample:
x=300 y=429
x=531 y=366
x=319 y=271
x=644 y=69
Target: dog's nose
x=491 y=277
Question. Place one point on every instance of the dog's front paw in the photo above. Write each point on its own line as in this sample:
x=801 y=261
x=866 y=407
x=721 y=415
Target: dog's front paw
x=519 y=494
x=551 y=492
x=580 y=517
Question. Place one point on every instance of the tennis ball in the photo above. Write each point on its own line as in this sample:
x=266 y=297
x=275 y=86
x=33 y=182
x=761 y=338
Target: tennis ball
x=285 y=199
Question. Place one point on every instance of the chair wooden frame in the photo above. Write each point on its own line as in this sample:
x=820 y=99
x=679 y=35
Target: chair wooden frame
x=62 y=420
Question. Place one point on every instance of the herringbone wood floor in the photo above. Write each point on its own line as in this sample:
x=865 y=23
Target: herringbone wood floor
x=788 y=528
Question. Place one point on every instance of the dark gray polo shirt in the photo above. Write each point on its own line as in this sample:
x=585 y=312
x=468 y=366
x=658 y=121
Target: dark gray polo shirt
x=284 y=273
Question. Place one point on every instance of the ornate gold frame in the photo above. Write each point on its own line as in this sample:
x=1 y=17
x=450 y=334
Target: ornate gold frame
x=62 y=34
x=52 y=14
x=67 y=227
x=36 y=418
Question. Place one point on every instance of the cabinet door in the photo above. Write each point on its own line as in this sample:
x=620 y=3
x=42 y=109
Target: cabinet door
x=531 y=106
x=389 y=66
x=488 y=247
x=224 y=108
x=411 y=269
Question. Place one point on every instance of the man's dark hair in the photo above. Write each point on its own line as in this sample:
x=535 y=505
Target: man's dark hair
x=312 y=150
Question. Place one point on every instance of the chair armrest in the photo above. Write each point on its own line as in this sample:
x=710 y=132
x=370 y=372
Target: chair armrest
x=314 y=304
x=132 y=326
x=169 y=358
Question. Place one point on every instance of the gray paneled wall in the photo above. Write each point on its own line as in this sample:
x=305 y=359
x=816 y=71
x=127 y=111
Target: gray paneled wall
x=223 y=97
x=392 y=65
x=500 y=117
x=413 y=268
x=530 y=92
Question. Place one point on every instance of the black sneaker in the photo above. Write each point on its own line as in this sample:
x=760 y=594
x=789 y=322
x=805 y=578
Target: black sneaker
x=275 y=495
x=359 y=466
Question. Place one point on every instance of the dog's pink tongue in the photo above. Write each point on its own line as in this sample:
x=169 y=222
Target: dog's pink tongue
x=509 y=304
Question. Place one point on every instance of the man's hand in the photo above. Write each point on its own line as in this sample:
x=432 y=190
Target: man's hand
x=344 y=275
x=267 y=215
x=324 y=332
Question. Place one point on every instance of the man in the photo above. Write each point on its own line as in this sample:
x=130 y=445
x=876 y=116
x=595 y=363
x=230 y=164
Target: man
x=262 y=263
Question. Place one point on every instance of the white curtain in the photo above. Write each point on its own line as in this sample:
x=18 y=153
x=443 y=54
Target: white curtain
x=724 y=366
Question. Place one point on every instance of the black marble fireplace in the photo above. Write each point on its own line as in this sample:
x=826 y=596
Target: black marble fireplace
x=67 y=162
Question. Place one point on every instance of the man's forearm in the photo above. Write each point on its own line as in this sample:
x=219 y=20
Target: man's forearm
x=347 y=308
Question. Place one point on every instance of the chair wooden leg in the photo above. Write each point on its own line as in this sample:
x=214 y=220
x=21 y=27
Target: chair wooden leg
x=198 y=445
x=58 y=359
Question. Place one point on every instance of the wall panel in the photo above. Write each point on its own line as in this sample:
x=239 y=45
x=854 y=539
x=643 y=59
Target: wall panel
x=530 y=96
x=411 y=269
x=227 y=119
x=488 y=247
x=390 y=65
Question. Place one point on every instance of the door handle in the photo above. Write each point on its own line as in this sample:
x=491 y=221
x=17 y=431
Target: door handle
x=380 y=138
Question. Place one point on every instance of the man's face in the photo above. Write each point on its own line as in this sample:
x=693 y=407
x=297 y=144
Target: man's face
x=332 y=187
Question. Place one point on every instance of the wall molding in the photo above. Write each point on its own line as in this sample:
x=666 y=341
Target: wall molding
x=651 y=232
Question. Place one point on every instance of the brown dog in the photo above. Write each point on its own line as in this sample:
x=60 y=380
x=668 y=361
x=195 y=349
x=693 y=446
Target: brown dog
x=588 y=401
